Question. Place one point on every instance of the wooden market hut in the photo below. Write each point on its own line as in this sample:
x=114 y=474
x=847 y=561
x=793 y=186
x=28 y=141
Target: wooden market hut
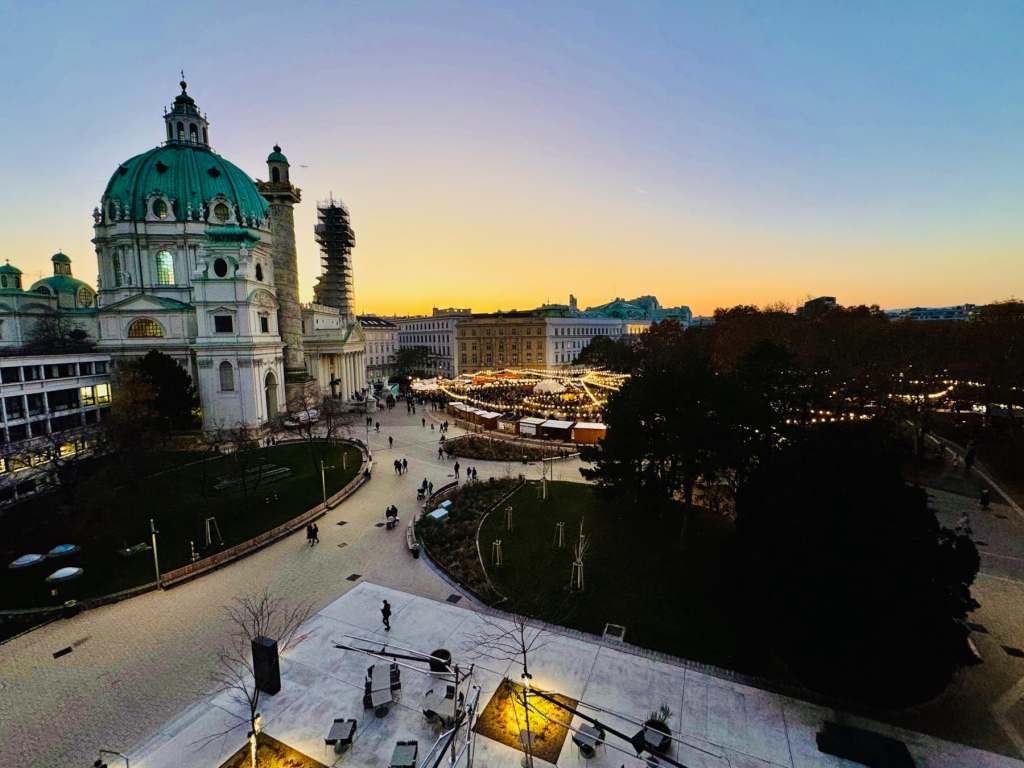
x=588 y=432
x=528 y=426
x=555 y=429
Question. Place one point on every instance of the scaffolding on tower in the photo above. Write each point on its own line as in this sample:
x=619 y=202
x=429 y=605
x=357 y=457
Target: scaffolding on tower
x=334 y=234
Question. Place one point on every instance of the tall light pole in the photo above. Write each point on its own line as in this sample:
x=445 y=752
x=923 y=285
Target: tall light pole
x=156 y=560
x=323 y=482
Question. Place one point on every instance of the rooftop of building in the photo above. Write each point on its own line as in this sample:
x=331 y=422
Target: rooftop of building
x=373 y=321
x=717 y=719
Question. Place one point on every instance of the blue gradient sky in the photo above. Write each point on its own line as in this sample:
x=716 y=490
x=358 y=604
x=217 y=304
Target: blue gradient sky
x=497 y=155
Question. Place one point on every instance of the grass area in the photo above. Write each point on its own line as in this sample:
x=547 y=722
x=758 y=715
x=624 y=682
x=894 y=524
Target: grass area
x=671 y=595
x=110 y=511
x=452 y=543
x=272 y=753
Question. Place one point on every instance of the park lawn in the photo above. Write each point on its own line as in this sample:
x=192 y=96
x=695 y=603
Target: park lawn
x=673 y=598
x=110 y=512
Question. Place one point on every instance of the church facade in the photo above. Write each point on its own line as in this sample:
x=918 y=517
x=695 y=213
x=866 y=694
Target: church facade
x=198 y=260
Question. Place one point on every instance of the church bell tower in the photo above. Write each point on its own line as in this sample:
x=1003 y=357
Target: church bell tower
x=300 y=388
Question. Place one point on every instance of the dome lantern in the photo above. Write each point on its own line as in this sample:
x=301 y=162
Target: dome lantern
x=184 y=122
x=277 y=165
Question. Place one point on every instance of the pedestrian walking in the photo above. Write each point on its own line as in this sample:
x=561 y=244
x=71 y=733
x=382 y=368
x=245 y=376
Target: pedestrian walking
x=969 y=458
x=309 y=534
x=424 y=422
x=430 y=489
x=440 y=453
x=316 y=533
x=405 y=466
x=456 y=470
x=474 y=473
x=391 y=441
x=377 y=427
x=385 y=613
x=431 y=426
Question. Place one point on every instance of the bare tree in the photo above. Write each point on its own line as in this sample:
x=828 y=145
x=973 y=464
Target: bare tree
x=514 y=637
x=250 y=618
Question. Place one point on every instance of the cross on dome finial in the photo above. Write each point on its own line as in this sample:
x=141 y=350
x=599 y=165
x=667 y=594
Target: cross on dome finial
x=183 y=84
x=277 y=147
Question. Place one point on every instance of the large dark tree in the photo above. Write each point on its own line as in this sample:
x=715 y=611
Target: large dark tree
x=175 y=402
x=863 y=593
x=613 y=354
x=54 y=333
x=412 y=361
x=670 y=426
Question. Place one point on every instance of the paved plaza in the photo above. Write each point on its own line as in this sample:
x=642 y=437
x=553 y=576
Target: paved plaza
x=724 y=723
x=138 y=665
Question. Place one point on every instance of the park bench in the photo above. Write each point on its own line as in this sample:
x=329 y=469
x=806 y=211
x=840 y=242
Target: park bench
x=865 y=747
x=410 y=541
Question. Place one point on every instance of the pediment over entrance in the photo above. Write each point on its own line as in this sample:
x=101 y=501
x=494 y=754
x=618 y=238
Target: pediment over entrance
x=147 y=303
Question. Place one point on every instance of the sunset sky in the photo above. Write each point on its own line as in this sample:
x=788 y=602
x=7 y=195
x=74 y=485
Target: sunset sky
x=497 y=155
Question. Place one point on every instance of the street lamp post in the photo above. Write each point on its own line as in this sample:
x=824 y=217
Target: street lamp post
x=156 y=560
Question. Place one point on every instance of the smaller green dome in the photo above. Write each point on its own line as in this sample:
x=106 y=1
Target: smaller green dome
x=9 y=269
x=61 y=258
x=276 y=156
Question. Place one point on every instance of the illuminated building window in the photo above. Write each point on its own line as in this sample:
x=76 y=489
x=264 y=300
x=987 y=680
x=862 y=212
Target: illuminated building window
x=164 y=268
x=145 y=328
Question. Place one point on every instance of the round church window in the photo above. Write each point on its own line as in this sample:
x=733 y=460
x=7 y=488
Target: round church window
x=160 y=208
x=220 y=268
x=221 y=211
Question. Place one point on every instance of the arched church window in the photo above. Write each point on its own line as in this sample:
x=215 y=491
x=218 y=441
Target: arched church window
x=220 y=268
x=227 y=377
x=115 y=265
x=275 y=174
x=259 y=272
x=206 y=139
x=85 y=297
x=170 y=133
x=164 y=268
x=3 y=281
x=221 y=211
x=160 y=208
x=193 y=133
x=44 y=290
x=145 y=328
x=181 y=131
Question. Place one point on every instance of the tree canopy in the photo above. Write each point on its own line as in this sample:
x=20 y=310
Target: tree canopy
x=861 y=590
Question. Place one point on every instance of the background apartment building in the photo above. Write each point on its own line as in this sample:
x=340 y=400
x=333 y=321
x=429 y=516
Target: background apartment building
x=527 y=339
x=436 y=333
x=382 y=343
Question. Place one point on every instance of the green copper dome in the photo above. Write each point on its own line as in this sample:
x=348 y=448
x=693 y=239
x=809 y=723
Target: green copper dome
x=276 y=156
x=9 y=269
x=190 y=174
x=60 y=257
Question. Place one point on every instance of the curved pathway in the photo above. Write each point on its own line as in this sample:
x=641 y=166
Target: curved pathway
x=137 y=663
